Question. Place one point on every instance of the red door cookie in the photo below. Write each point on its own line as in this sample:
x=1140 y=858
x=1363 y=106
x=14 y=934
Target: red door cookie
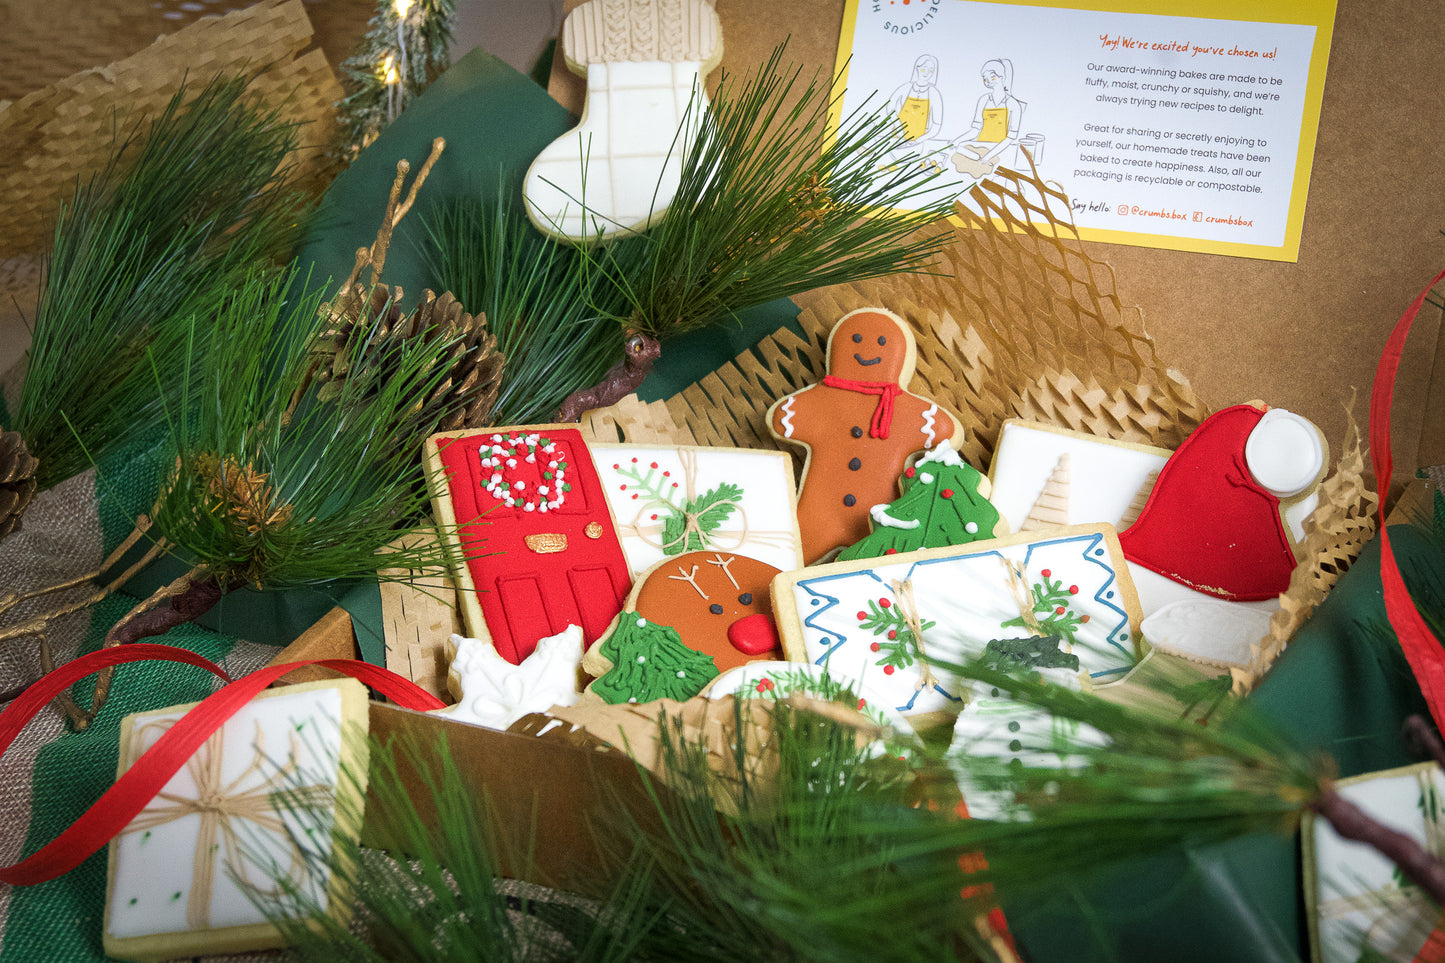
x=540 y=547
x=858 y=425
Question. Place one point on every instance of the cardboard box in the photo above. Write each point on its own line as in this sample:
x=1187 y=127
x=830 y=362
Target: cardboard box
x=1239 y=328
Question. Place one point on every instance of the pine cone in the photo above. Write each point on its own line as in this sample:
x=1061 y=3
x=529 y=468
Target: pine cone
x=474 y=374
x=17 y=480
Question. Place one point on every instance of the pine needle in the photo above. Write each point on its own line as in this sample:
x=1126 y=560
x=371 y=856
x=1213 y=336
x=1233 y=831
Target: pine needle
x=553 y=324
x=272 y=498
x=769 y=205
x=188 y=203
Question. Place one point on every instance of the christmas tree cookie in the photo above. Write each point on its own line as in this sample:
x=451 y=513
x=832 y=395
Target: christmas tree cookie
x=889 y=621
x=944 y=502
x=858 y=426
x=1044 y=476
x=646 y=661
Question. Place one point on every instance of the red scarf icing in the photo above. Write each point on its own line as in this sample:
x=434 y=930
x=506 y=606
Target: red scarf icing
x=886 y=392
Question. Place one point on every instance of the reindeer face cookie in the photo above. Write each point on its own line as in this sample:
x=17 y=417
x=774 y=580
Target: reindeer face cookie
x=688 y=618
x=858 y=425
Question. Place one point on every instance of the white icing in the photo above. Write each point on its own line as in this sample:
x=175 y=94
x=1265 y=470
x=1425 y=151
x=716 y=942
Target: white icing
x=761 y=524
x=925 y=477
x=1208 y=629
x=994 y=731
x=930 y=437
x=1358 y=898
x=966 y=592
x=1104 y=474
x=881 y=517
x=619 y=169
x=971 y=528
x=152 y=867
x=1285 y=453
x=786 y=678
x=942 y=455
x=1156 y=592
x=493 y=692
x=787 y=417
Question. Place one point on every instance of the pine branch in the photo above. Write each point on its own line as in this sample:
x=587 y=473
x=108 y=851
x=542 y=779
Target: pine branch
x=265 y=499
x=769 y=206
x=189 y=202
x=552 y=320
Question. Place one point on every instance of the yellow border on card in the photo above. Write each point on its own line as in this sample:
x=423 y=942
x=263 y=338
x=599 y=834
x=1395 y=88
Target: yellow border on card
x=1319 y=14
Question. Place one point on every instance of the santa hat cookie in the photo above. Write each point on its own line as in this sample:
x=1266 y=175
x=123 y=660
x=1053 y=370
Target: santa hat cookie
x=1213 y=521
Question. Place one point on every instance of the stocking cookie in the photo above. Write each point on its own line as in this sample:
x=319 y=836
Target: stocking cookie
x=858 y=425
x=1213 y=522
x=644 y=61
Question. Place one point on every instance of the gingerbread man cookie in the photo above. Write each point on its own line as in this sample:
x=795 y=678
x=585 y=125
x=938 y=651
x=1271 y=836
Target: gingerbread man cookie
x=858 y=425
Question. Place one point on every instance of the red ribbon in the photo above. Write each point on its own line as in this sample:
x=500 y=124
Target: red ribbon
x=886 y=392
x=134 y=790
x=1422 y=649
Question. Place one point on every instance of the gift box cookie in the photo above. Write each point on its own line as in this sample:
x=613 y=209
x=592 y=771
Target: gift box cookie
x=881 y=620
x=254 y=815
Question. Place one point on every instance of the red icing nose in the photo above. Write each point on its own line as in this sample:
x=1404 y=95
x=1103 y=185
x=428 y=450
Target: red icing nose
x=754 y=634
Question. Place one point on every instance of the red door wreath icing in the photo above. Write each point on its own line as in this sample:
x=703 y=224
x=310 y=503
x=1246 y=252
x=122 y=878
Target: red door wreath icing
x=859 y=426
x=1208 y=523
x=545 y=553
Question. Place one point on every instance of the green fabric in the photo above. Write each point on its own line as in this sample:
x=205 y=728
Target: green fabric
x=689 y=358
x=61 y=920
x=494 y=119
x=1339 y=688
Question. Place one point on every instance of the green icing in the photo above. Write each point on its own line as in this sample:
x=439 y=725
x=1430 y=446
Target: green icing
x=958 y=517
x=650 y=662
x=1035 y=652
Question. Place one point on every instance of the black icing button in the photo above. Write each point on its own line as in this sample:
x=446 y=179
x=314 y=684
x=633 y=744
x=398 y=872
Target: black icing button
x=856 y=432
x=715 y=609
x=854 y=465
x=746 y=598
x=849 y=500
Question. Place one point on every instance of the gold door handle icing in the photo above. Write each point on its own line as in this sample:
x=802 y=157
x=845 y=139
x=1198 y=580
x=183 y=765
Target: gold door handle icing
x=546 y=543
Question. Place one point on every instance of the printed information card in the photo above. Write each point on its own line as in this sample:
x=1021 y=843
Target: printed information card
x=1178 y=129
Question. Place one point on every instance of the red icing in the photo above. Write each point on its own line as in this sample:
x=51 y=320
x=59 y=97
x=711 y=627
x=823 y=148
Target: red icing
x=525 y=596
x=672 y=594
x=754 y=634
x=882 y=421
x=1208 y=524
